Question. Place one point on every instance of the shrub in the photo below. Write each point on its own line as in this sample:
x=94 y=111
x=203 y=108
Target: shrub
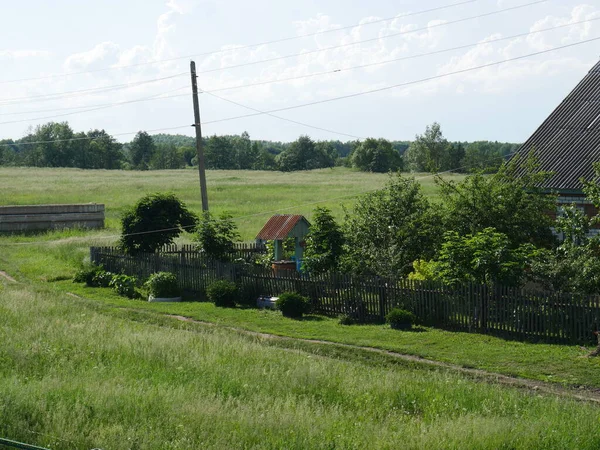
x=223 y=293
x=292 y=305
x=153 y=213
x=86 y=274
x=124 y=285
x=163 y=285
x=345 y=319
x=400 y=319
x=102 y=279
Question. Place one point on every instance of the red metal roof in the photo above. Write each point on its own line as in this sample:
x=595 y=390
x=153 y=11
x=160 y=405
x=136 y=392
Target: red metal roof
x=279 y=226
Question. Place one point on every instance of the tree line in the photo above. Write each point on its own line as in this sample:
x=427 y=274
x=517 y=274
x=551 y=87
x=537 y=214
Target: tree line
x=56 y=144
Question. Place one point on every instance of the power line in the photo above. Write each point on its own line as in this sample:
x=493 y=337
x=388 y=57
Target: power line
x=403 y=58
x=328 y=72
x=105 y=106
x=284 y=118
x=408 y=83
x=274 y=41
x=58 y=95
x=400 y=33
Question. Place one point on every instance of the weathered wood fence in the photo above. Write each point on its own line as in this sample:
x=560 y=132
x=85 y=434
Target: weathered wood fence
x=510 y=312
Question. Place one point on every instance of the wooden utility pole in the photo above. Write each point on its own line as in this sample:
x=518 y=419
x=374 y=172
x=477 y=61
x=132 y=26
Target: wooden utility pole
x=199 y=150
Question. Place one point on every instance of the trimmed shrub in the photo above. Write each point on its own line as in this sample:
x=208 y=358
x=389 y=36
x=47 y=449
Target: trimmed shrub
x=163 y=285
x=124 y=285
x=400 y=319
x=223 y=293
x=292 y=305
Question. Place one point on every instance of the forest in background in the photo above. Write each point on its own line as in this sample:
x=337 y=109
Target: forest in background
x=56 y=144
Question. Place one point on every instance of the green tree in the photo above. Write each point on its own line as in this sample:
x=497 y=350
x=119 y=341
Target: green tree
x=220 y=153
x=155 y=220
x=324 y=243
x=376 y=155
x=514 y=205
x=216 y=236
x=247 y=154
x=304 y=154
x=486 y=257
x=389 y=229
x=428 y=152
x=141 y=150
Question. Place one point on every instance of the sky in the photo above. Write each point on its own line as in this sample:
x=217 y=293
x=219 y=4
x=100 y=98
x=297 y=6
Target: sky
x=123 y=66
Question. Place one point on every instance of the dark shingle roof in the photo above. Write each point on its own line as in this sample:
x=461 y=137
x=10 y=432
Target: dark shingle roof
x=568 y=141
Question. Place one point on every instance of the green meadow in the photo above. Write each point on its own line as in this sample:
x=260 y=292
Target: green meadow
x=94 y=370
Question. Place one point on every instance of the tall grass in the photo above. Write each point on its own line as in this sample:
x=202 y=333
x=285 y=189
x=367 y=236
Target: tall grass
x=71 y=377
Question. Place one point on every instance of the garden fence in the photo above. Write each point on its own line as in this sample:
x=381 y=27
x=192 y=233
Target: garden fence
x=510 y=312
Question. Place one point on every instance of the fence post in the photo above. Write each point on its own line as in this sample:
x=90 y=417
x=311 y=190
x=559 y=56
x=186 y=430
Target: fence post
x=484 y=304
x=382 y=299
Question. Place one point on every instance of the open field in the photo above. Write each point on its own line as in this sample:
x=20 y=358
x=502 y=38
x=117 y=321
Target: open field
x=250 y=196
x=74 y=377
x=113 y=373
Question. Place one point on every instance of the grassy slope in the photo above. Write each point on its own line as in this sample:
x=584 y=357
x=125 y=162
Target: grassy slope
x=77 y=377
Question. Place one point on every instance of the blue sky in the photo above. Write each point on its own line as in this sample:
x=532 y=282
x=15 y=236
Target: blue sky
x=507 y=102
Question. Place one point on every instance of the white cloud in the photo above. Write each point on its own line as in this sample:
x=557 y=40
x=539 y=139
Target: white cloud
x=102 y=55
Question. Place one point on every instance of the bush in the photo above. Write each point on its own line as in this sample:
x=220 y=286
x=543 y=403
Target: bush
x=86 y=274
x=400 y=319
x=292 y=305
x=124 y=285
x=345 y=319
x=102 y=279
x=223 y=293
x=163 y=285
x=151 y=214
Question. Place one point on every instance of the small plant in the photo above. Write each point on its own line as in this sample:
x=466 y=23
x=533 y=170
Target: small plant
x=400 y=319
x=223 y=293
x=124 y=285
x=163 y=285
x=102 y=279
x=345 y=319
x=86 y=274
x=292 y=305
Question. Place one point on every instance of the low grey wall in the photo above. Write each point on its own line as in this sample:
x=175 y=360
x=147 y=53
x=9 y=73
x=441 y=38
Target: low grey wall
x=48 y=217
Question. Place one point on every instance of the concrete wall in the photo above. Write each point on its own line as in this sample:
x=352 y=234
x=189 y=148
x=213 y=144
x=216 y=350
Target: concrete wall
x=48 y=217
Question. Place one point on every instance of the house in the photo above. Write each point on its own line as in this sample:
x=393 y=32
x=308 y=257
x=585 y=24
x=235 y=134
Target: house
x=568 y=143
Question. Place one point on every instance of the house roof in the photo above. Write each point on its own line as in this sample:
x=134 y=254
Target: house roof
x=281 y=226
x=568 y=141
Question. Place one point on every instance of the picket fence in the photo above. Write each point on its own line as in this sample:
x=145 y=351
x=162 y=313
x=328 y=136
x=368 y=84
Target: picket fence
x=505 y=311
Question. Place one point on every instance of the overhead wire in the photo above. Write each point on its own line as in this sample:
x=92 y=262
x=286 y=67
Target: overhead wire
x=67 y=94
x=402 y=58
x=328 y=72
x=159 y=96
x=243 y=47
x=408 y=83
x=379 y=38
x=284 y=118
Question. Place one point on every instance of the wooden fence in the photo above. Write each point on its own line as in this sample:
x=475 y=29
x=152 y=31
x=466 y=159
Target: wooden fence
x=509 y=312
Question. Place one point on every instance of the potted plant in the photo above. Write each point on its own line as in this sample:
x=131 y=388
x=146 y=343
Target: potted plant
x=162 y=287
x=400 y=319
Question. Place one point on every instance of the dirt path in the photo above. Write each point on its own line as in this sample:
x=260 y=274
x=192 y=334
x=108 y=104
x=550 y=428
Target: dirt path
x=7 y=276
x=583 y=393
x=587 y=394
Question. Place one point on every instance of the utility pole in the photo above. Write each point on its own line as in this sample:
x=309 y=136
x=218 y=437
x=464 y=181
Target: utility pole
x=199 y=150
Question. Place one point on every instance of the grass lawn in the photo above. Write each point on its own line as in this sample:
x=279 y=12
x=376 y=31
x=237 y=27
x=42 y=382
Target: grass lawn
x=250 y=196
x=73 y=375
